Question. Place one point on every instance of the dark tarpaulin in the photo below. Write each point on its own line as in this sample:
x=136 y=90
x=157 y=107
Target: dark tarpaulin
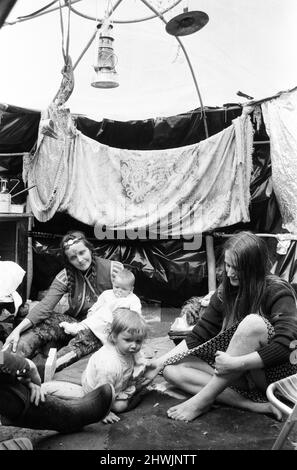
x=164 y=271
x=19 y=129
x=286 y=265
x=159 y=133
x=5 y=7
x=18 y=133
x=264 y=212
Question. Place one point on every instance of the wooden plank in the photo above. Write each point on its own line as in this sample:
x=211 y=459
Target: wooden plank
x=50 y=365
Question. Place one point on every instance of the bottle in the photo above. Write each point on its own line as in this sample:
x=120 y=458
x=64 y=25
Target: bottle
x=5 y=197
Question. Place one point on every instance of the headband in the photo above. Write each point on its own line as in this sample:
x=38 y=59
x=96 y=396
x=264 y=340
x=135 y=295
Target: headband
x=71 y=242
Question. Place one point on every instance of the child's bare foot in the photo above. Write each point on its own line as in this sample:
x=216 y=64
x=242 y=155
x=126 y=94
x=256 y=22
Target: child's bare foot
x=111 y=418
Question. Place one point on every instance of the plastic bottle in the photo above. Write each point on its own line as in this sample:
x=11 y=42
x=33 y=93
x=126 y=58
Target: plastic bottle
x=5 y=197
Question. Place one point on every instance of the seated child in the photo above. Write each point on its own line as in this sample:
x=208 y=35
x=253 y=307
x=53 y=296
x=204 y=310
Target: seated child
x=118 y=362
x=100 y=316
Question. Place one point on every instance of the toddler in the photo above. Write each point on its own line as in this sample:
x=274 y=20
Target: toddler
x=118 y=362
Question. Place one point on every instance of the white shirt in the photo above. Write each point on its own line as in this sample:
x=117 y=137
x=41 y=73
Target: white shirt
x=100 y=316
x=107 y=365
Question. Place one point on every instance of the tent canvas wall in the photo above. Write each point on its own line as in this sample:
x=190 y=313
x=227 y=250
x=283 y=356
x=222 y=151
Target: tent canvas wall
x=247 y=45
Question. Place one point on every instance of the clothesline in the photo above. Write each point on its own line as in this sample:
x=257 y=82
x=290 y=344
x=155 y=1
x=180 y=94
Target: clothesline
x=279 y=236
x=18 y=154
x=284 y=236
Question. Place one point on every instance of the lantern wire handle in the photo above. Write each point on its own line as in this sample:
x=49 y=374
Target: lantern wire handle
x=99 y=24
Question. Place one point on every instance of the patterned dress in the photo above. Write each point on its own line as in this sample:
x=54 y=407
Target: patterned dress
x=280 y=316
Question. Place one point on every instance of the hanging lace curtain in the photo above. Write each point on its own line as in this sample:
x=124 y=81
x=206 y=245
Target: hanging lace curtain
x=280 y=117
x=175 y=192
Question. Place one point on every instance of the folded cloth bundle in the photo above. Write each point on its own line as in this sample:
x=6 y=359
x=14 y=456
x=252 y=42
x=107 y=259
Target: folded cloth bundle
x=11 y=276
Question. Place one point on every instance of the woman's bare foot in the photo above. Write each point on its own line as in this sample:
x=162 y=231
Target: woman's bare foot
x=192 y=408
x=187 y=411
x=264 y=408
x=271 y=410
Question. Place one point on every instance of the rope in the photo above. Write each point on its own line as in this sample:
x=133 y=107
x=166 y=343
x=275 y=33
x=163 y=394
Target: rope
x=18 y=154
x=86 y=48
x=35 y=15
x=37 y=11
x=68 y=30
x=65 y=51
x=279 y=236
x=52 y=236
x=134 y=20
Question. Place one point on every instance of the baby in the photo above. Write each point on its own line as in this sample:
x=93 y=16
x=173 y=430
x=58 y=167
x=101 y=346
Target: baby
x=100 y=315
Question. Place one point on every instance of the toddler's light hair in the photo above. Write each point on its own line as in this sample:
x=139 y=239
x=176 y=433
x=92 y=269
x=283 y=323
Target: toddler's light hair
x=126 y=275
x=128 y=320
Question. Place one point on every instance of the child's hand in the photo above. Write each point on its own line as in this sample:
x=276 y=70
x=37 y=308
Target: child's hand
x=151 y=371
x=111 y=418
x=37 y=395
x=69 y=328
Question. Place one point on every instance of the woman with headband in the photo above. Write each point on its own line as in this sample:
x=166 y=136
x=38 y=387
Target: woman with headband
x=84 y=278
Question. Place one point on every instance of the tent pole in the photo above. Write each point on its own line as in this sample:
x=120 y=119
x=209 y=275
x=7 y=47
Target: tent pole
x=40 y=13
x=190 y=66
x=211 y=263
x=5 y=7
x=135 y=20
x=279 y=236
x=85 y=49
x=29 y=259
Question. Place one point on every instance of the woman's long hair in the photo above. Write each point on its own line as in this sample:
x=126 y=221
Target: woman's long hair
x=77 y=235
x=251 y=260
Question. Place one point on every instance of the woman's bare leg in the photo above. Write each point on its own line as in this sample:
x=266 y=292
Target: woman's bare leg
x=249 y=336
x=193 y=380
x=191 y=376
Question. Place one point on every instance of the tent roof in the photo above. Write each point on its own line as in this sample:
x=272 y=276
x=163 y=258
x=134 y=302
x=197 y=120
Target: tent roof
x=247 y=45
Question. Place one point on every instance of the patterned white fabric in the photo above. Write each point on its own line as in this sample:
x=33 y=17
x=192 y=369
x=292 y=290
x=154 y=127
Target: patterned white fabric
x=280 y=117
x=189 y=189
x=11 y=276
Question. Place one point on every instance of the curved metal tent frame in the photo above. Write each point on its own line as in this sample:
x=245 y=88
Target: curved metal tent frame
x=135 y=20
x=158 y=14
x=241 y=49
x=46 y=9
